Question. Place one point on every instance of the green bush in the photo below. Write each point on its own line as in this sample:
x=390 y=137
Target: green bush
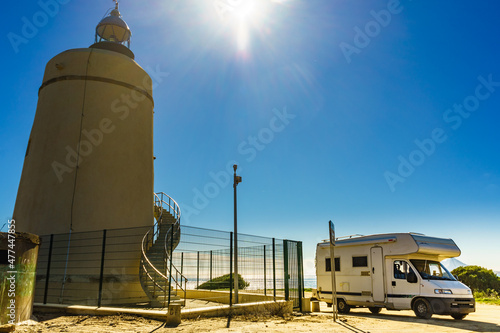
x=222 y=282
x=488 y=297
x=487 y=294
x=479 y=279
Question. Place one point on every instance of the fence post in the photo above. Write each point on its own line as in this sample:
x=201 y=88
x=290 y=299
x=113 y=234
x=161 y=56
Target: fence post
x=231 y=269
x=274 y=269
x=210 y=269
x=182 y=261
x=171 y=255
x=300 y=274
x=265 y=290
x=285 y=267
x=154 y=284
x=48 y=270
x=102 y=267
x=198 y=269
x=182 y=277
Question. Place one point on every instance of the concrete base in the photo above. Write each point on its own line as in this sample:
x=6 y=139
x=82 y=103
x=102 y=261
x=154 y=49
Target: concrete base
x=315 y=306
x=223 y=296
x=174 y=315
x=276 y=308
x=306 y=305
x=102 y=311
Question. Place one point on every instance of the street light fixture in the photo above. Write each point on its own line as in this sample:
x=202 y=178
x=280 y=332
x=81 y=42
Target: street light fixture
x=236 y=181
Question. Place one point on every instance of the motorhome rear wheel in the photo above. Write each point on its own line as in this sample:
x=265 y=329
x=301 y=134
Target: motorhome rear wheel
x=342 y=306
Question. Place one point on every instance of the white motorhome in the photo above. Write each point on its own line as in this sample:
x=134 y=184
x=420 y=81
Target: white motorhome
x=400 y=271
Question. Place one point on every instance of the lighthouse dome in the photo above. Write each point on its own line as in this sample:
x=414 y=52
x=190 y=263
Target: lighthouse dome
x=113 y=34
x=113 y=29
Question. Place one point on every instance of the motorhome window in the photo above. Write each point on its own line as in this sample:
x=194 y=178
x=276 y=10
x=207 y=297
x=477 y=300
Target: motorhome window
x=401 y=269
x=431 y=270
x=328 y=264
x=360 y=261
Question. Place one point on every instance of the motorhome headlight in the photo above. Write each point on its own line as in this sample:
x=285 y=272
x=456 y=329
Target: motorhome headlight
x=442 y=291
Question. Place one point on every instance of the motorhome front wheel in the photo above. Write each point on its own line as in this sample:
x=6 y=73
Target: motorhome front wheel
x=459 y=316
x=422 y=309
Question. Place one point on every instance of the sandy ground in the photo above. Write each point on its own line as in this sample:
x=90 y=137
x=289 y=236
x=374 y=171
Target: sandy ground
x=485 y=319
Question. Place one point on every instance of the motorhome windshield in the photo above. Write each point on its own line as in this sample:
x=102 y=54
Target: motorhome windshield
x=432 y=270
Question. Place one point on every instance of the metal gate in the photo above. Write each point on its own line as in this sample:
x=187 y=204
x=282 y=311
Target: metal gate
x=294 y=272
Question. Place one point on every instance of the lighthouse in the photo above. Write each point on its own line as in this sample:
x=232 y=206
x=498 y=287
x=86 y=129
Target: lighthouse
x=89 y=158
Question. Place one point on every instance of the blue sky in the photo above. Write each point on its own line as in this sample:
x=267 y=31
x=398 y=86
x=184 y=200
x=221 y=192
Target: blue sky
x=381 y=116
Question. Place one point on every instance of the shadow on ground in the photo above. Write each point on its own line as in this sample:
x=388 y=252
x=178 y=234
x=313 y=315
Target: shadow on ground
x=438 y=321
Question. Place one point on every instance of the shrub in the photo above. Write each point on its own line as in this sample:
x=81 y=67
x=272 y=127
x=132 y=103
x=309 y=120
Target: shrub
x=488 y=297
x=222 y=282
x=479 y=279
x=487 y=294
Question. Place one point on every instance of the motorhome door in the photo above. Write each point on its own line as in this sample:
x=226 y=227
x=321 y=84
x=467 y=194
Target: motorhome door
x=377 y=273
x=401 y=291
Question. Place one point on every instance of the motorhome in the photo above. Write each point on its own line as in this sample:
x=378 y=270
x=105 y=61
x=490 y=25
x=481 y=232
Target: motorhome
x=400 y=271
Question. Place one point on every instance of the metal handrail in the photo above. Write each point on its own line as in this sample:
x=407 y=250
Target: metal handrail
x=167 y=257
x=173 y=208
x=145 y=257
x=177 y=223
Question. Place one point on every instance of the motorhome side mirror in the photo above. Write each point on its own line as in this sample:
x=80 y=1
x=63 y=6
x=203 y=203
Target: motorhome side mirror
x=412 y=277
x=456 y=277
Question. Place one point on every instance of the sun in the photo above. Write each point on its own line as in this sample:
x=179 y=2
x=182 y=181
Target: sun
x=246 y=11
x=245 y=16
x=247 y=19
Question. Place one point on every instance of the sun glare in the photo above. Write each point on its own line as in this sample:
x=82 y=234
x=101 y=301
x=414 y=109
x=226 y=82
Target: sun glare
x=245 y=11
x=247 y=15
x=246 y=19
x=242 y=36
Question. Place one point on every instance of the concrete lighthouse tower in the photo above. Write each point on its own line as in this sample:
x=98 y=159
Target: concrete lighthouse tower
x=89 y=160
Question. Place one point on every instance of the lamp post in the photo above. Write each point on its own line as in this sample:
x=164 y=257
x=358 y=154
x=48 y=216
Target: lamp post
x=236 y=181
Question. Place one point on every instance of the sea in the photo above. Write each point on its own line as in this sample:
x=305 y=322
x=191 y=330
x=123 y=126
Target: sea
x=309 y=282
x=256 y=283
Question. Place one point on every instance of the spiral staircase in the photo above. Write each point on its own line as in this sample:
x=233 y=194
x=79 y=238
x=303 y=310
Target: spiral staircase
x=160 y=279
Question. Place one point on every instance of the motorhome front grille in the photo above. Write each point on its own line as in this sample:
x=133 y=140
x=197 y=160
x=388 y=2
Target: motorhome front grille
x=454 y=306
x=464 y=303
